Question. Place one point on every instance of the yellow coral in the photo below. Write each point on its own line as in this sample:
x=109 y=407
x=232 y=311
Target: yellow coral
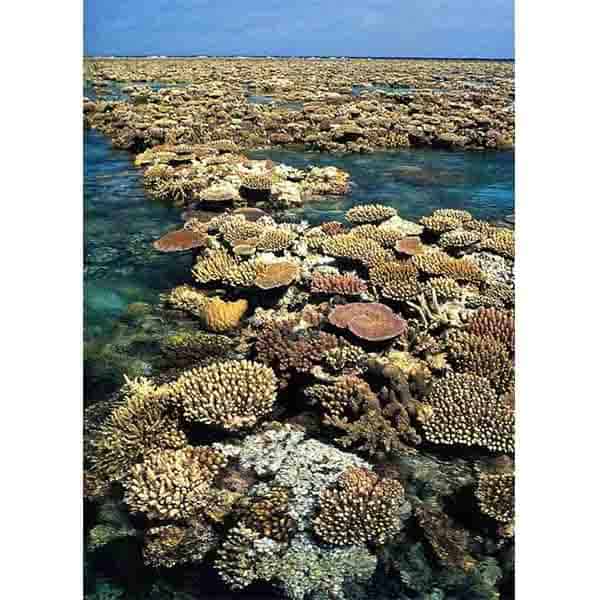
x=220 y=316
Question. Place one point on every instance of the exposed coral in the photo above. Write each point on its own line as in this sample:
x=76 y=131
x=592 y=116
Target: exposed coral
x=361 y=507
x=440 y=263
x=231 y=395
x=275 y=239
x=363 y=250
x=370 y=213
x=501 y=241
x=458 y=239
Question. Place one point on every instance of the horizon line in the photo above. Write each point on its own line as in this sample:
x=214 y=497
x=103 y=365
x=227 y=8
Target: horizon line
x=302 y=56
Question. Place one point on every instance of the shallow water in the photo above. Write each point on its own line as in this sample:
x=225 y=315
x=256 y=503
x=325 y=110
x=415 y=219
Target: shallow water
x=121 y=267
x=415 y=182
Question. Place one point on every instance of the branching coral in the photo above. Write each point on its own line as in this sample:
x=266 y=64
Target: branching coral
x=387 y=237
x=459 y=238
x=444 y=220
x=440 y=263
x=345 y=284
x=172 y=484
x=185 y=297
x=268 y=514
x=501 y=241
x=370 y=213
x=396 y=280
x=231 y=395
x=361 y=507
x=363 y=250
x=498 y=324
x=483 y=356
x=464 y=409
x=289 y=351
x=275 y=239
x=236 y=562
x=213 y=266
x=242 y=274
x=170 y=545
x=346 y=358
x=133 y=429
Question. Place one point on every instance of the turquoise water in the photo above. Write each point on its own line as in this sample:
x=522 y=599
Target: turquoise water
x=415 y=182
x=121 y=267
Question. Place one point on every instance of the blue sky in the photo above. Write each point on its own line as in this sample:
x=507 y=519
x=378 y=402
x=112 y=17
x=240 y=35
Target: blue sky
x=428 y=28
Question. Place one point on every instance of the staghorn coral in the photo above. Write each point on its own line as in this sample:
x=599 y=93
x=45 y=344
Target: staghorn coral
x=370 y=213
x=172 y=484
x=187 y=298
x=445 y=220
x=344 y=284
x=231 y=395
x=497 y=324
x=213 y=266
x=185 y=347
x=276 y=274
x=495 y=495
x=242 y=274
x=275 y=239
x=396 y=280
x=361 y=508
x=370 y=321
x=440 y=263
x=483 y=356
x=170 y=545
x=351 y=247
x=236 y=229
x=445 y=288
x=220 y=316
x=135 y=427
x=458 y=238
x=501 y=241
x=462 y=408
x=385 y=236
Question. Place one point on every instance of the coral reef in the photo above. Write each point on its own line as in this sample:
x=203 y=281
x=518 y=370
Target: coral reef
x=361 y=508
x=464 y=409
x=173 y=484
x=370 y=213
x=231 y=395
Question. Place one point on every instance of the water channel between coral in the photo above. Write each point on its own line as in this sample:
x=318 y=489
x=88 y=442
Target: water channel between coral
x=121 y=267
